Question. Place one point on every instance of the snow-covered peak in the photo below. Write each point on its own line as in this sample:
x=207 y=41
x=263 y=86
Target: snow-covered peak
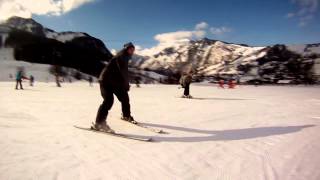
x=25 y=24
x=63 y=36
x=205 y=56
x=30 y=25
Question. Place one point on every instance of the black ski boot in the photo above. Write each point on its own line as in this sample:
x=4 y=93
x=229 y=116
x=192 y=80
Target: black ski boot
x=102 y=127
x=129 y=119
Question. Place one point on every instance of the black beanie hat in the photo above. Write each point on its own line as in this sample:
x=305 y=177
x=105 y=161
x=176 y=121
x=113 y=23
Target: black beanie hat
x=128 y=45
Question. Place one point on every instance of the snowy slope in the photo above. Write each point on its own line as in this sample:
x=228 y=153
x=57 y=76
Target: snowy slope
x=8 y=66
x=247 y=133
x=39 y=71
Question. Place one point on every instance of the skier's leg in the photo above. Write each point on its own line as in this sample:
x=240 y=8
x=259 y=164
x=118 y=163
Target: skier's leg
x=106 y=105
x=20 y=82
x=123 y=97
x=17 y=83
x=186 y=90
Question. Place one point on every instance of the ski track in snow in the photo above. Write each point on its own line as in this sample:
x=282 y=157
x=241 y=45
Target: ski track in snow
x=248 y=133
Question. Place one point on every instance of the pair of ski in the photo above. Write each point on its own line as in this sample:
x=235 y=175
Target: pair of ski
x=147 y=139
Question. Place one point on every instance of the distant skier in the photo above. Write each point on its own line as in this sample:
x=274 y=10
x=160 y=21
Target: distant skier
x=185 y=82
x=19 y=77
x=221 y=83
x=137 y=81
x=90 y=79
x=31 y=78
x=57 y=77
x=231 y=84
x=114 y=80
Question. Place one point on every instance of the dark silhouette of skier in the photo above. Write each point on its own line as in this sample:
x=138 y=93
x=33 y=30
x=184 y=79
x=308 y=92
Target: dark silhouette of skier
x=185 y=82
x=90 y=79
x=114 y=80
x=137 y=80
x=221 y=83
x=19 y=77
x=31 y=80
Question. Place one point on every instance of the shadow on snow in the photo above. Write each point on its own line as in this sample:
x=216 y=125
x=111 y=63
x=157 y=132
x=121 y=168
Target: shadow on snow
x=224 y=135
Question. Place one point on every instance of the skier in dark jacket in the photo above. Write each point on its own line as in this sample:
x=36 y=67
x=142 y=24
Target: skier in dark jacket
x=31 y=78
x=185 y=82
x=114 y=80
x=90 y=79
x=19 y=77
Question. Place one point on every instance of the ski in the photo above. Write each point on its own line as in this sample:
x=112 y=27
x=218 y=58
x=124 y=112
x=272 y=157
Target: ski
x=185 y=97
x=159 y=131
x=116 y=134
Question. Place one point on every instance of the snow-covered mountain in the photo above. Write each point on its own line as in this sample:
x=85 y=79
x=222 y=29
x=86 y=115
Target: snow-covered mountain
x=207 y=59
x=211 y=58
x=36 y=45
x=30 y=25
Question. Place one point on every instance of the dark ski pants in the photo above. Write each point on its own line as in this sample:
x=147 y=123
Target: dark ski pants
x=19 y=82
x=107 y=94
x=186 y=90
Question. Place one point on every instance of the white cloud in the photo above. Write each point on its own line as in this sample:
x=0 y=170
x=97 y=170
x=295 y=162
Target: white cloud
x=171 y=39
x=113 y=51
x=305 y=12
x=138 y=48
x=178 y=38
x=217 y=31
x=307 y=6
x=202 y=26
x=304 y=20
x=175 y=38
x=26 y=8
x=199 y=34
x=290 y=15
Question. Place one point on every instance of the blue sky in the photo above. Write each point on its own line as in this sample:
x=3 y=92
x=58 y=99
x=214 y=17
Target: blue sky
x=253 y=22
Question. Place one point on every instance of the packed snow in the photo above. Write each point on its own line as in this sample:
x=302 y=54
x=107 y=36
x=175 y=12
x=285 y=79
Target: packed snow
x=252 y=133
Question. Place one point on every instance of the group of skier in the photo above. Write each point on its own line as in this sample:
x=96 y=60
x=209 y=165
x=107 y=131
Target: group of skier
x=20 y=76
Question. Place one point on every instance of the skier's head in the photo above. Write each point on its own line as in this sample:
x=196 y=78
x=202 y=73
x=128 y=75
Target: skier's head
x=129 y=48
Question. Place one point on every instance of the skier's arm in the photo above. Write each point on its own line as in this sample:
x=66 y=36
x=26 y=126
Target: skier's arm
x=23 y=77
x=123 y=74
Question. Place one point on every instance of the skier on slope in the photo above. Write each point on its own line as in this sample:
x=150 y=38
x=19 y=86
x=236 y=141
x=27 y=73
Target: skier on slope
x=221 y=83
x=90 y=79
x=114 y=80
x=31 y=80
x=19 y=77
x=185 y=82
